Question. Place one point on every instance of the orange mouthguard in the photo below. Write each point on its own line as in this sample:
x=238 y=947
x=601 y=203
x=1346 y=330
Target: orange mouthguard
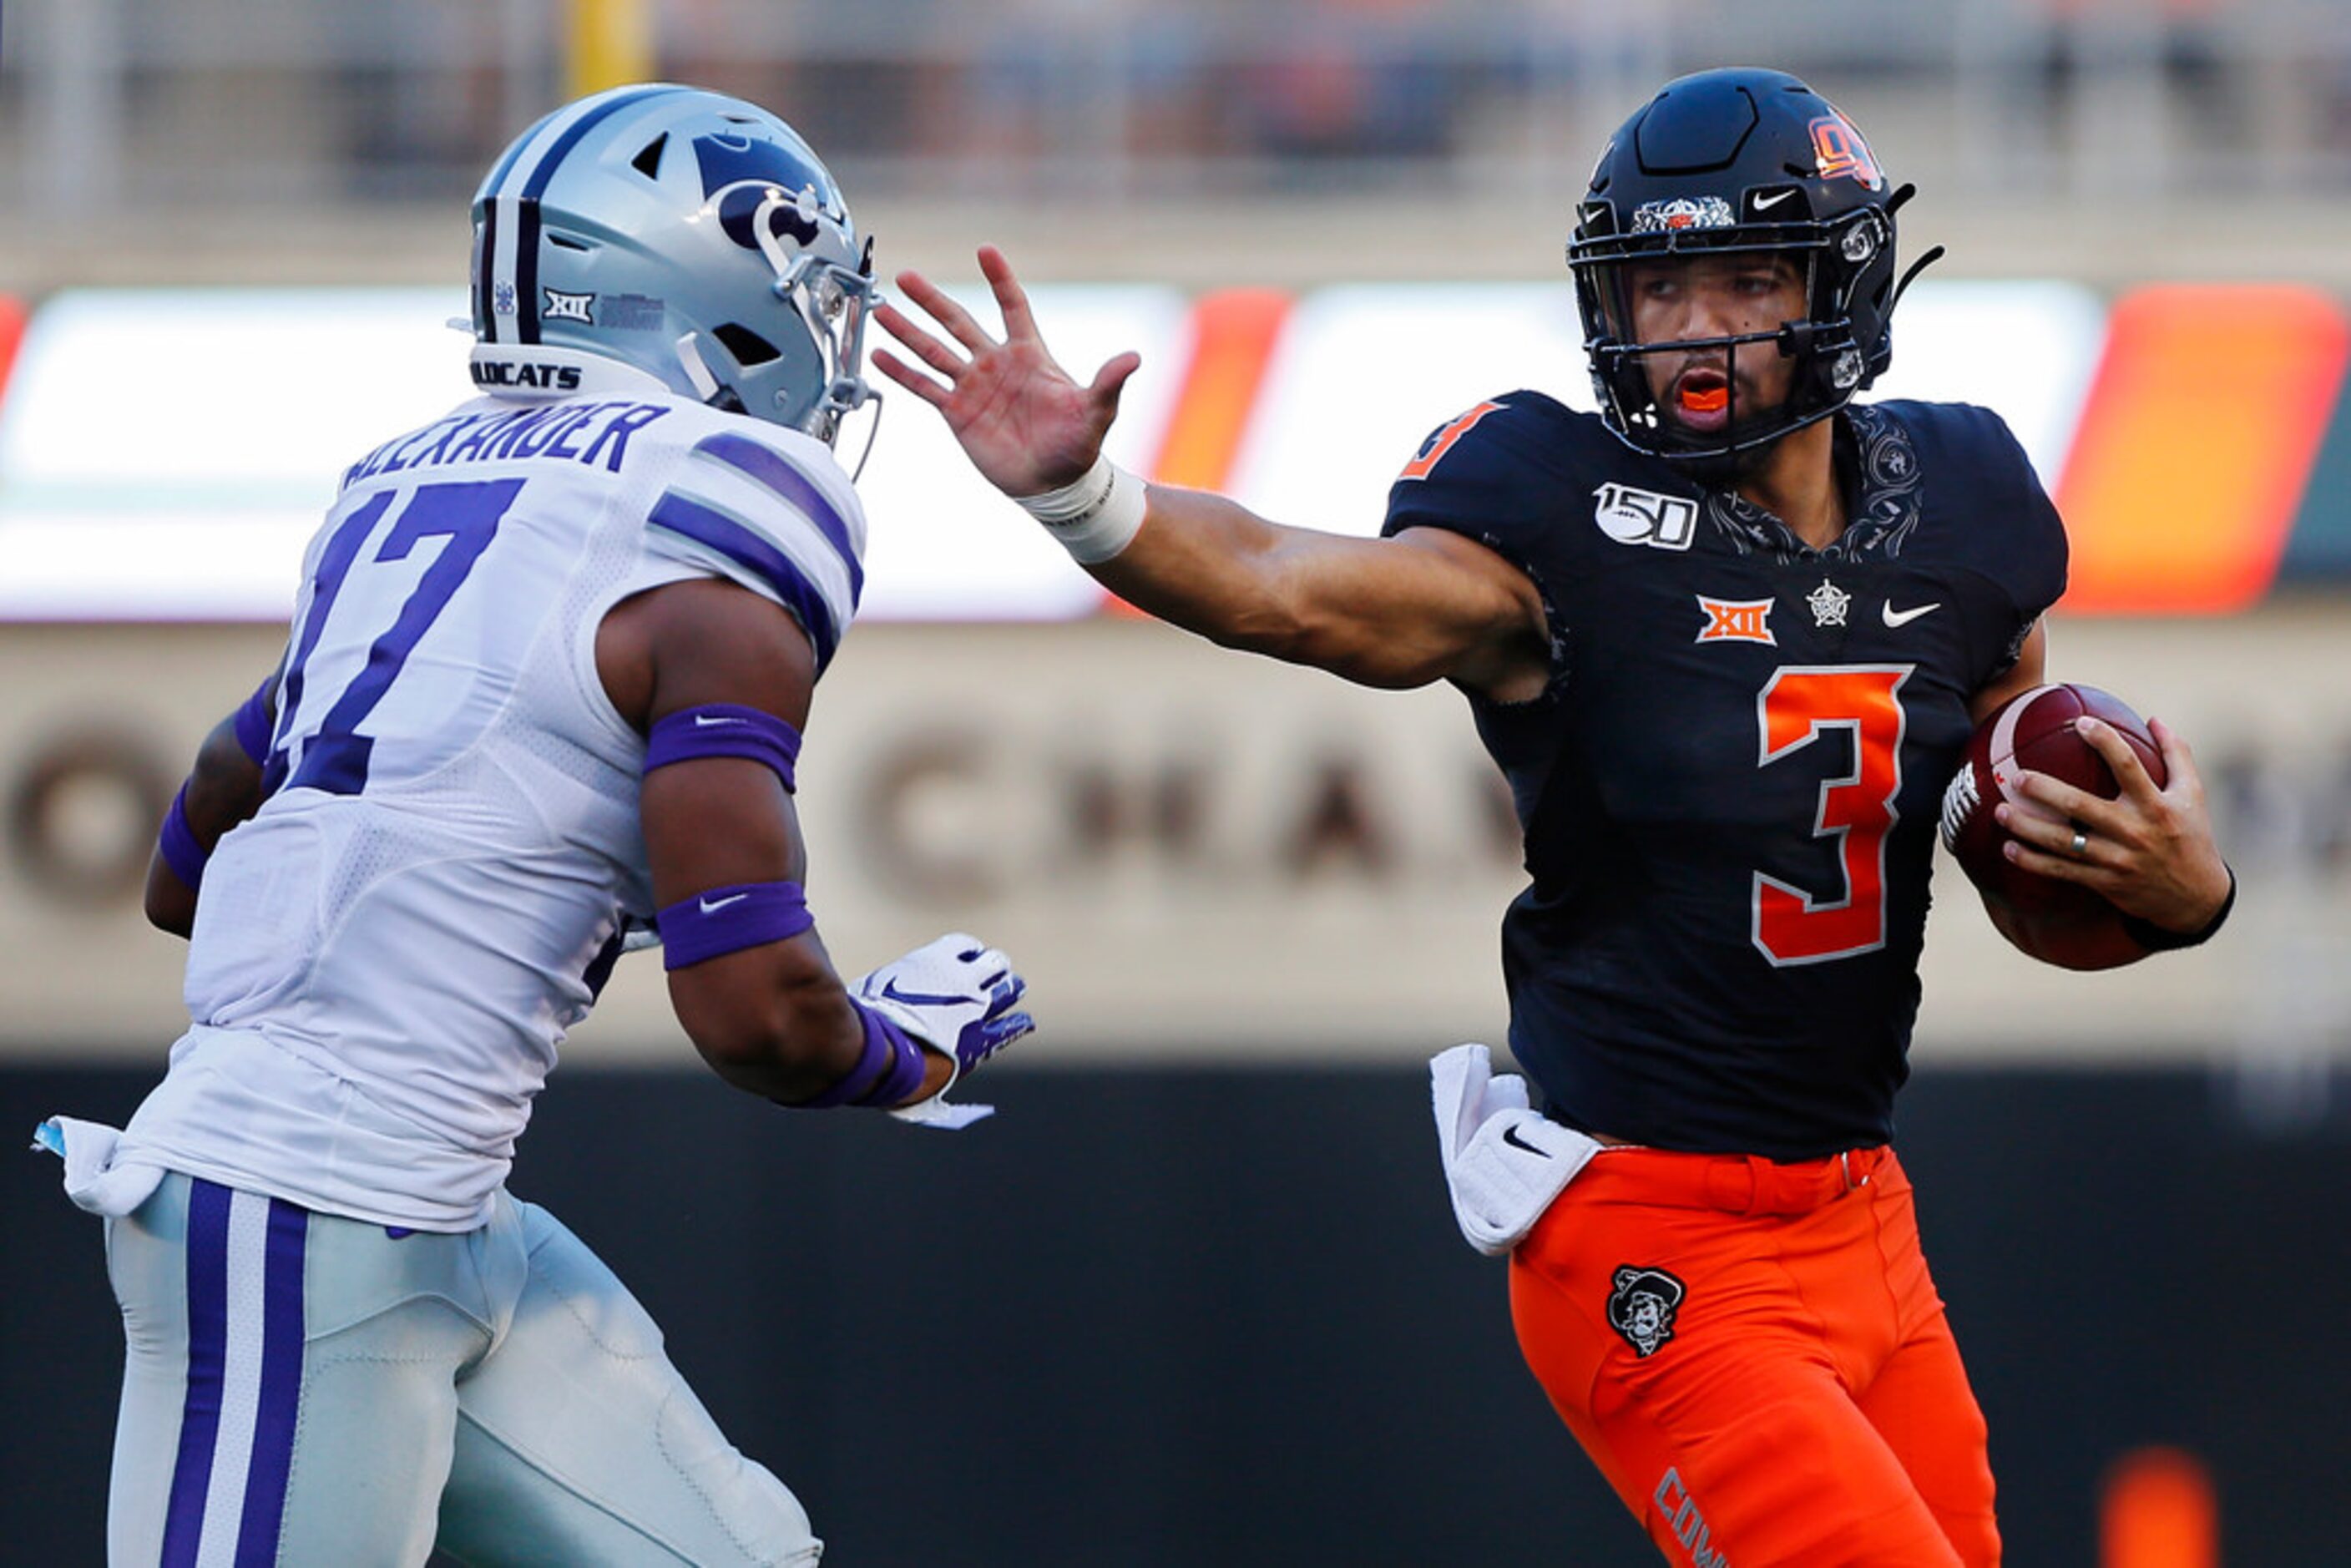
x=1712 y=401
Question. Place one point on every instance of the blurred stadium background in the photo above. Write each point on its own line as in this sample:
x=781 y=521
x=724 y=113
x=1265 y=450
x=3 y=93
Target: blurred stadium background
x=1195 y=1296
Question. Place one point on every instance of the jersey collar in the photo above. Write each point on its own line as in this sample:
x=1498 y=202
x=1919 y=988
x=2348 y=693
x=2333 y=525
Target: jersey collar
x=1877 y=467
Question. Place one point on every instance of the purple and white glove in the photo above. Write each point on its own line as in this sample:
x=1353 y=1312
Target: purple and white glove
x=957 y=996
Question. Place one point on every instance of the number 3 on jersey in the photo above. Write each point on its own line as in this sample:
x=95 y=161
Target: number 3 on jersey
x=334 y=756
x=1797 y=703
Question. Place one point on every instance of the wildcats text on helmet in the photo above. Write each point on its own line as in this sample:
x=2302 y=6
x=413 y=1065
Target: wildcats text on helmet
x=523 y=373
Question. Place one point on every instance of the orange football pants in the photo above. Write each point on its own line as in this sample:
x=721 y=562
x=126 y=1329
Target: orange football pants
x=1756 y=1359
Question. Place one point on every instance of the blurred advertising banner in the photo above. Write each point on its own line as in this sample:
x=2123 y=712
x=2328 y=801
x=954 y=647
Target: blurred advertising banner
x=163 y=454
x=1195 y=854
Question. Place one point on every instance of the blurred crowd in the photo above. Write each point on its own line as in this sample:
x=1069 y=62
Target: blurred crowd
x=256 y=99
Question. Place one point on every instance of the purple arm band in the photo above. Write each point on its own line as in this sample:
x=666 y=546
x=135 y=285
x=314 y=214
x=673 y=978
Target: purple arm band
x=178 y=842
x=727 y=919
x=725 y=729
x=253 y=724
x=905 y=1072
x=881 y=1067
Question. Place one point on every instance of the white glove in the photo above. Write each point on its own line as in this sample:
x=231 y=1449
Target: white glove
x=1504 y=1162
x=956 y=995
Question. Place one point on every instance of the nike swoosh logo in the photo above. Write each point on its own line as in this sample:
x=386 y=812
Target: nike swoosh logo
x=1904 y=617
x=703 y=721
x=921 y=999
x=1510 y=1136
x=713 y=905
x=1773 y=200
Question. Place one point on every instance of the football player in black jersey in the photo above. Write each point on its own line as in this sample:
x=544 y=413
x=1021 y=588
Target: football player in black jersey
x=1728 y=640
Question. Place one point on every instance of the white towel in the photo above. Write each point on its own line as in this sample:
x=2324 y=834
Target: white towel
x=93 y=1180
x=1504 y=1162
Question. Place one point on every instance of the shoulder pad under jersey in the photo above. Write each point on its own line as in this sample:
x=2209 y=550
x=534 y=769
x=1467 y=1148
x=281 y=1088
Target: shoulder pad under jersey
x=2013 y=534
x=1506 y=472
x=769 y=508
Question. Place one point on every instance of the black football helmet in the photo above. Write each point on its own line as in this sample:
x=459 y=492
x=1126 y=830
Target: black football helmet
x=1739 y=161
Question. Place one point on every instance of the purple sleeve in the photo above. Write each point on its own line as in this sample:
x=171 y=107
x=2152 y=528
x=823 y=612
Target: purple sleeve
x=178 y=842
x=254 y=723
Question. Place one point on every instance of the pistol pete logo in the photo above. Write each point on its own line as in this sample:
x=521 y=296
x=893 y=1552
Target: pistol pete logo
x=1643 y=1305
x=1736 y=621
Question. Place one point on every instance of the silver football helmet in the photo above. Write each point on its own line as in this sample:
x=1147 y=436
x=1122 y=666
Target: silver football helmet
x=690 y=235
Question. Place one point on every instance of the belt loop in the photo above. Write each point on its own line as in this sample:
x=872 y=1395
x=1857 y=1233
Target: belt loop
x=1731 y=1184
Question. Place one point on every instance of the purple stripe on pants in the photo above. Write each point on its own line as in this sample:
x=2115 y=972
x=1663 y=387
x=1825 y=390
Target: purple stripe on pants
x=192 y=1474
x=281 y=1387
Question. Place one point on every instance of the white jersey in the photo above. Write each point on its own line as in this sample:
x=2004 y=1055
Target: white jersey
x=386 y=957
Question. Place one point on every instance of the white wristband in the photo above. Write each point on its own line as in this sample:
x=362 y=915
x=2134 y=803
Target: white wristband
x=1095 y=516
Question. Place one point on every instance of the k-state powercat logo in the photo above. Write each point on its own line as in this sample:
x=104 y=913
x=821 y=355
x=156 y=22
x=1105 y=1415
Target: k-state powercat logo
x=1633 y=516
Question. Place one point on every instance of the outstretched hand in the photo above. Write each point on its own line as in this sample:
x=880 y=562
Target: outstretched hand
x=2150 y=850
x=1026 y=425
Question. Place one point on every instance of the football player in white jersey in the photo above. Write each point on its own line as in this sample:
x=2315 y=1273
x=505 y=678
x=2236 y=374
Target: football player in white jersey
x=544 y=690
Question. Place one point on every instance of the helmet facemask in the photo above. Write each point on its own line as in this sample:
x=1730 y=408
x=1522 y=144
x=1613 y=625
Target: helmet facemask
x=832 y=302
x=809 y=379
x=1825 y=364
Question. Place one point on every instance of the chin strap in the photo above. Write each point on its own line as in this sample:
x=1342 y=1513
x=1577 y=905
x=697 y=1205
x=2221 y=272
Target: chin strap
x=872 y=400
x=1917 y=266
x=697 y=369
x=1894 y=205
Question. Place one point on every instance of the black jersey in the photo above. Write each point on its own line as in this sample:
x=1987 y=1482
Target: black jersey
x=1730 y=787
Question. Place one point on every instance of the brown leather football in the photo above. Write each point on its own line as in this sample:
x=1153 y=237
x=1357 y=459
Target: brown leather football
x=2057 y=922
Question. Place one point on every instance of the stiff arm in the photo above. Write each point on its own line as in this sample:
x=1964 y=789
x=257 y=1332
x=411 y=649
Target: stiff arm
x=1425 y=605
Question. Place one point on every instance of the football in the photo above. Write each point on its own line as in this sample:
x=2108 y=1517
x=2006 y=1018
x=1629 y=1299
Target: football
x=2053 y=921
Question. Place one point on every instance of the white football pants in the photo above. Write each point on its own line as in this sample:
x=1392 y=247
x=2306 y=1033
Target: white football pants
x=317 y=1392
